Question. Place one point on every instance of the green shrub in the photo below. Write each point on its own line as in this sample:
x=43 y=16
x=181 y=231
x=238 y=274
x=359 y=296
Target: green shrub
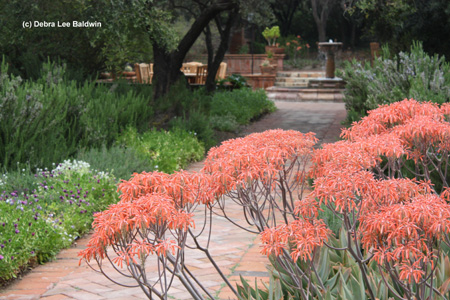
x=295 y=47
x=198 y=123
x=233 y=81
x=226 y=123
x=223 y=111
x=179 y=101
x=106 y=114
x=166 y=151
x=64 y=116
x=244 y=104
x=407 y=75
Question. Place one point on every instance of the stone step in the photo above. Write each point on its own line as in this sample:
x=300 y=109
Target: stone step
x=296 y=78
x=301 y=74
x=312 y=82
x=291 y=84
x=336 y=83
x=293 y=79
x=305 y=94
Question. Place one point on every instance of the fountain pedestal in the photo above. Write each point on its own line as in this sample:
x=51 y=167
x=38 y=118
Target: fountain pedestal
x=330 y=49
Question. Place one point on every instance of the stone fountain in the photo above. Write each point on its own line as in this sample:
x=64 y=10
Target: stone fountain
x=328 y=88
x=330 y=48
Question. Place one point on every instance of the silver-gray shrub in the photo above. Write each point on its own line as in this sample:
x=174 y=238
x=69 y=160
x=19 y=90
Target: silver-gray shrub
x=413 y=74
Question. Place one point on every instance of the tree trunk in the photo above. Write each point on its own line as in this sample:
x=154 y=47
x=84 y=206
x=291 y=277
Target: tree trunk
x=321 y=10
x=215 y=60
x=353 y=37
x=284 y=11
x=167 y=65
x=166 y=71
x=321 y=28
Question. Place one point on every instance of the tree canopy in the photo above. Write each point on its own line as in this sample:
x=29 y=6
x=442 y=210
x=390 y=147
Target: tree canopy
x=143 y=31
x=399 y=22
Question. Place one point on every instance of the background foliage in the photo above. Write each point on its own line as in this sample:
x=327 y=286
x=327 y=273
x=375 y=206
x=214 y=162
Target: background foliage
x=59 y=114
x=392 y=78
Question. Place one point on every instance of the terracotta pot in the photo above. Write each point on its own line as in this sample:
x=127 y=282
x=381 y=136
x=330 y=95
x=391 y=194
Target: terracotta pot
x=274 y=49
x=105 y=75
x=123 y=74
x=268 y=70
x=129 y=74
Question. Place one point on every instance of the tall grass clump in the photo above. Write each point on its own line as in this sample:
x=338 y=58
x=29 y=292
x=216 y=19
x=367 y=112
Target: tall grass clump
x=393 y=78
x=49 y=119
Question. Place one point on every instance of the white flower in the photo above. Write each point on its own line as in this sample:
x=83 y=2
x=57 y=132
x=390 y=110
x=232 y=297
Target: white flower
x=102 y=175
x=72 y=166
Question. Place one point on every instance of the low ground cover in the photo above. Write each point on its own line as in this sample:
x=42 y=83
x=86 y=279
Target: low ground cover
x=38 y=221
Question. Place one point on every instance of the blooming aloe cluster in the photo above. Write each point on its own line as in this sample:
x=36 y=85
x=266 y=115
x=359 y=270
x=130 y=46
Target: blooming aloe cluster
x=154 y=216
x=152 y=221
x=386 y=182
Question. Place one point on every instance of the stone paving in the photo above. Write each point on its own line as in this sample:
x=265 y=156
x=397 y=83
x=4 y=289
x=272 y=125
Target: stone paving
x=235 y=251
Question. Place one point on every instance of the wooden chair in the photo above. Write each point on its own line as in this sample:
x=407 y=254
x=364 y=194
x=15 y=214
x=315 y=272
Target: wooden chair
x=202 y=72
x=222 y=72
x=190 y=67
x=144 y=73
x=151 y=73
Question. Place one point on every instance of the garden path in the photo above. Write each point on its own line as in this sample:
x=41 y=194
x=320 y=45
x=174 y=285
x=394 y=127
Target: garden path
x=235 y=251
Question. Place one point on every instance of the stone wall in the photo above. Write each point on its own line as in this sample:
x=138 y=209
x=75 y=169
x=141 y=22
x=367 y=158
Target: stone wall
x=249 y=63
x=260 y=81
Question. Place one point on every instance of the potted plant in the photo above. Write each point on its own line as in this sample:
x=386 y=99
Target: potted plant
x=270 y=58
x=128 y=71
x=267 y=68
x=271 y=35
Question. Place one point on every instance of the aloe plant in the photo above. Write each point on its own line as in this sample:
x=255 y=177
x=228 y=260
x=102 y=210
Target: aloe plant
x=339 y=275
